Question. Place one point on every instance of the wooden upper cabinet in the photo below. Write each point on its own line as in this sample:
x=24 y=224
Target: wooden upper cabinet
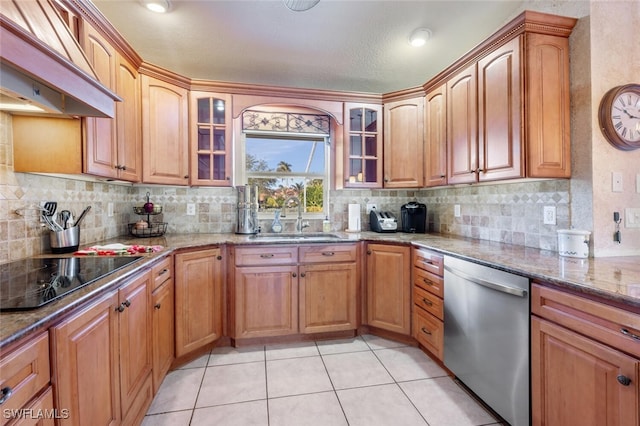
x=210 y=139
x=363 y=145
x=100 y=134
x=462 y=127
x=500 y=150
x=435 y=141
x=113 y=146
x=548 y=106
x=403 y=143
x=165 y=137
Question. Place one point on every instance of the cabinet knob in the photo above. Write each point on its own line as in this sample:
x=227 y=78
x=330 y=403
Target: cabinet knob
x=219 y=257
x=302 y=274
x=6 y=394
x=368 y=251
x=156 y=306
x=624 y=380
x=123 y=167
x=294 y=275
x=127 y=303
x=120 y=307
x=425 y=331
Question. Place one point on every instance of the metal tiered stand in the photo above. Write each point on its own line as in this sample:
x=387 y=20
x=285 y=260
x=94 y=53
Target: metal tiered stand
x=153 y=229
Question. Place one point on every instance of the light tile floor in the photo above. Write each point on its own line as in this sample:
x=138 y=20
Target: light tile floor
x=366 y=380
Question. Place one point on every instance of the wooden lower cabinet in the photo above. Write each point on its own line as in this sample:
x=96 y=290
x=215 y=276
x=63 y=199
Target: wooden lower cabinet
x=102 y=358
x=162 y=300
x=389 y=287
x=198 y=299
x=266 y=301
x=40 y=412
x=328 y=297
x=577 y=381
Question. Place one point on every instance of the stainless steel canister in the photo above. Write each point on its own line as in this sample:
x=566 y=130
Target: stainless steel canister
x=66 y=241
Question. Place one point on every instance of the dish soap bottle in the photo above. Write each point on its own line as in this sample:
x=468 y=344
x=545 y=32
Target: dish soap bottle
x=326 y=225
x=276 y=226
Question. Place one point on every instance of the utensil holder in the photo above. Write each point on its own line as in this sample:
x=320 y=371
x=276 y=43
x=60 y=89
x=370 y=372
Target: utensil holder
x=66 y=241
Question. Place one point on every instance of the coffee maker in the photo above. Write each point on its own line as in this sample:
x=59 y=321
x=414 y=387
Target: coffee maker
x=414 y=217
x=247 y=209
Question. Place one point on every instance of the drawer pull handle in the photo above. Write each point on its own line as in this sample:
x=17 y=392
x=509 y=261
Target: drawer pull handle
x=425 y=331
x=624 y=380
x=630 y=334
x=6 y=394
x=427 y=302
x=428 y=262
x=427 y=282
x=266 y=256
x=328 y=253
x=164 y=271
x=157 y=306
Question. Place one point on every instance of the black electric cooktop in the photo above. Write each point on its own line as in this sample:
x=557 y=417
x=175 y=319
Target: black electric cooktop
x=32 y=283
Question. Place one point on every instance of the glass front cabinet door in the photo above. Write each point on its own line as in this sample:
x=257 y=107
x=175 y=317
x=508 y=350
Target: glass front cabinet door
x=211 y=136
x=363 y=143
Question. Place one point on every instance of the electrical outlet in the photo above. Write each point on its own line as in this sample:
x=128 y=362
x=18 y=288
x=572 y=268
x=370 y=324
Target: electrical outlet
x=371 y=206
x=549 y=215
x=191 y=209
x=456 y=210
x=616 y=182
x=110 y=209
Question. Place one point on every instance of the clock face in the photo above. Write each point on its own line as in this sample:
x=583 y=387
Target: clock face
x=625 y=116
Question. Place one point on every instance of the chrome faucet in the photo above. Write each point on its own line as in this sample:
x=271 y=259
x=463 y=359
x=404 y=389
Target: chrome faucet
x=300 y=224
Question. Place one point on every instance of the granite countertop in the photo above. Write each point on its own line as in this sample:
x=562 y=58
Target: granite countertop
x=614 y=279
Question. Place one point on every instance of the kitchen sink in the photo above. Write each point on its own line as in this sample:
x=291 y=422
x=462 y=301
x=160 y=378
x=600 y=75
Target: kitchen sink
x=320 y=236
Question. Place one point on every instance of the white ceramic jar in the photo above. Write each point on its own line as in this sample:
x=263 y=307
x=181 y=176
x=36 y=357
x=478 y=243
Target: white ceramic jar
x=573 y=243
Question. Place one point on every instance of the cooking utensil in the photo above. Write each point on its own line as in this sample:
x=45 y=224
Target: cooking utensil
x=82 y=215
x=49 y=209
x=64 y=216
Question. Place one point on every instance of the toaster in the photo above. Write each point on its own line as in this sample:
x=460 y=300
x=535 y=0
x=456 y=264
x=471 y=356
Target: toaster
x=382 y=221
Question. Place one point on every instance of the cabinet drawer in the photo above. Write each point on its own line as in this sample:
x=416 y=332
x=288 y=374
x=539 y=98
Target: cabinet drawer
x=266 y=255
x=162 y=271
x=427 y=281
x=428 y=260
x=429 y=331
x=328 y=253
x=429 y=302
x=609 y=325
x=41 y=406
x=25 y=371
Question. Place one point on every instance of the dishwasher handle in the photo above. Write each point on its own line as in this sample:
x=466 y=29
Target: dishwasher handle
x=494 y=286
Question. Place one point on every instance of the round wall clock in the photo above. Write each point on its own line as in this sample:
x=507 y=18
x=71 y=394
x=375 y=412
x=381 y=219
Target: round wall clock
x=619 y=116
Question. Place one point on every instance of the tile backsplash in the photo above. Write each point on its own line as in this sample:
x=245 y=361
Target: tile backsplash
x=508 y=212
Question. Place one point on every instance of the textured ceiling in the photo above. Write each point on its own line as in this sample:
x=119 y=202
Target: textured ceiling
x=348 y=45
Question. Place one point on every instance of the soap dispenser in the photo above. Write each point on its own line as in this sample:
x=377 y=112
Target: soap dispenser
x=276 y=226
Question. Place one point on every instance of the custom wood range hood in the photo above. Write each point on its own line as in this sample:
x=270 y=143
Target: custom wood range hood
x=42 y=64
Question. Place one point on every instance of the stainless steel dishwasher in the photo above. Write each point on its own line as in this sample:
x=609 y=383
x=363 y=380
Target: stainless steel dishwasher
x=486 y=335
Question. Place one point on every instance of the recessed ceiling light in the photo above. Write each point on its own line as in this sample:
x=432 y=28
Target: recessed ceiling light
x=419 y=37
x=158 y=6
x=300 y=5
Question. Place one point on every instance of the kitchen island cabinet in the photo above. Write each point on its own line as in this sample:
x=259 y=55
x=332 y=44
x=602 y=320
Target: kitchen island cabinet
x=198 y=299
x=585 y=361
x=102 y=357
x=388 y=287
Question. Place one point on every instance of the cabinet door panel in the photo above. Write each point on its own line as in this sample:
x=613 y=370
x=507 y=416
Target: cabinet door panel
x=462 y=127
x=328 y=295
x=129 y=141
x=362 y=146
x=574 y=380
x=163 y=331
x=403 y=143
x=435 y=161
x=165 y=110
x=86 y=364
x=548 y=107
x=198 y=292
x=499 y=114
x=266 y=301
x=389 y=287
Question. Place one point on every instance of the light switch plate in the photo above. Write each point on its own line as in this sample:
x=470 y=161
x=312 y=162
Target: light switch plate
x=549 y=215
x=456 y=210
x=632 y=218
x=191 y=209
